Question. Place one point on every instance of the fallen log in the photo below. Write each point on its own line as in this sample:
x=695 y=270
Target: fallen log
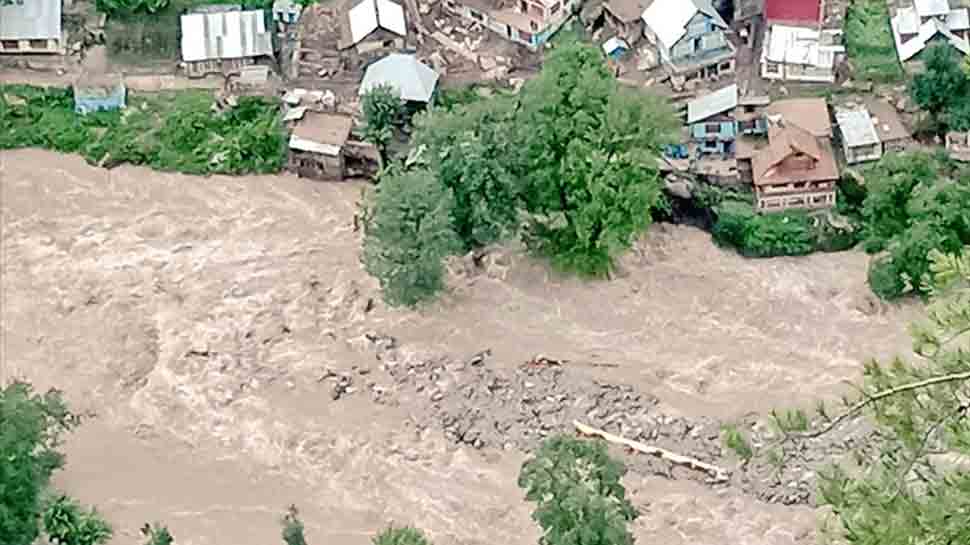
x=717 y=474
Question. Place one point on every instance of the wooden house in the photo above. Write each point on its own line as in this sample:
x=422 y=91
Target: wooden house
x=317 y=146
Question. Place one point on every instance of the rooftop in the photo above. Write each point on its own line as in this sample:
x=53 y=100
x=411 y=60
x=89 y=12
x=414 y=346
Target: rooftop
x=225 y=35
x=933 y=28
x=668 y=18
x=712 y=104
x=627 y=10
x=786 y=141
x=932 y=8
x=369 y=15
x=413 y=80
x=888 y=124
x=799 y=45
x=811 y=114
x=321 y=133
x=857 y=128
x=794 y=11
x=31 y=20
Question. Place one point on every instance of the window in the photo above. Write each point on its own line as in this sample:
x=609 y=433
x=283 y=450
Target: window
x=712 y=128
x=475 y=15
x=533 y=26
x=554 y=8
x=772 y=68
x=38 y=44
x=10 y=45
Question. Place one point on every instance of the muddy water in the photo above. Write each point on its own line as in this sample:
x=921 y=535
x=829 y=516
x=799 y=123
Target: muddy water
x=195 y=317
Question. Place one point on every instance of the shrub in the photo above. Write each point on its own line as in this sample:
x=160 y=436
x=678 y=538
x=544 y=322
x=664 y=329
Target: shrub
x=763 y=235
x=401 y=536
x=292 y=527
x=885 y=279
x=67 y=523
x=869 y=42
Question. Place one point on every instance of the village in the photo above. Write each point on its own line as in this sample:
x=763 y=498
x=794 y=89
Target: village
x=764 y=86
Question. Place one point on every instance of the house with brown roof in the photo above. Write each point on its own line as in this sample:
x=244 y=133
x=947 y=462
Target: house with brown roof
x=795 y=167
x=624 y=17
x=317 y=146
x=795 y=170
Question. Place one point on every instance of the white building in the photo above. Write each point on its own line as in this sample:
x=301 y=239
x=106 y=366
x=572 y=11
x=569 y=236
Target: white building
x=800 y=54
x=224 y=41
x=926 y=21
x=31 y=26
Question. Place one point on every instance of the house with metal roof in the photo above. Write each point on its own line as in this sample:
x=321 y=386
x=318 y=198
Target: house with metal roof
x=99 y=92
x=803 y=13
x=928 y=21
x=870 y=130
x=317 y=146
x=371 y=15
x=690 y=37
x=800 y=54
x=710 y=119
x=223 y=42
x=413 y=81
x=31 y=26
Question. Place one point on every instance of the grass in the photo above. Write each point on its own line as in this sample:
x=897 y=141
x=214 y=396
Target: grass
x=736 y=441
x=175 y=131
x=869 y=42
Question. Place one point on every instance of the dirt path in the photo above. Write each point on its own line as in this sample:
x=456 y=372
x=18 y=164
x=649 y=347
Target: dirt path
x=197 y=317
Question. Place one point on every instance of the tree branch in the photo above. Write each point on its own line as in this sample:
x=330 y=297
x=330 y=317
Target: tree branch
x=943 y=379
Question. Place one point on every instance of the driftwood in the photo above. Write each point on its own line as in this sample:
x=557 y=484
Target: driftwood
x=717 y=474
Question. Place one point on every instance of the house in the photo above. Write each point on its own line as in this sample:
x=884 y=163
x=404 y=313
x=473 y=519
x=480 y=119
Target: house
x=99 y=93
x=286 y=12
x=710 y=119
x=929 y=21
x=222 y=41
x=623 y=16
x=317 y=146
x=892 y=133
x=31 y=26
x=860 y=141
x=797 y=168
x=527 y=22
x=370 y=17
x=870 y=131
x=413 y=81
x=799 y=13
x=690 y=37
x=958 y=146
x=800 y=54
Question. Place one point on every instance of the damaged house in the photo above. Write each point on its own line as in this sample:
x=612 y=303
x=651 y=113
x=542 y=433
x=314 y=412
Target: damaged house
x=717 y=125
x=624 y=18
x=929 y=21
x=223 y=39
x=31 y=26
x=527 y=22
x=870 y=131
x=690 y=37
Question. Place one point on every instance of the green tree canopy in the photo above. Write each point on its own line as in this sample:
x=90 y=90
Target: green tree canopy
x=31 y=426
x=407 y=236
x=589 y=160
x=578 y=495
x=942 y=84
x=382 y=109
x=915 y=489
x=292 y=527
x=471 y=151
x=66 y=522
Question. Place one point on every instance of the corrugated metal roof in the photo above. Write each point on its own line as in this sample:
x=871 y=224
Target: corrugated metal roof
x=714 y=103
x=856 y=127
x=228 y=35
x=31 y=20
x=932 y=8
x=797 y=45
x=668 y=18
x=958 y=19
x=369 y=15
x=927 y=31
x=615 y=43
x=412 y=79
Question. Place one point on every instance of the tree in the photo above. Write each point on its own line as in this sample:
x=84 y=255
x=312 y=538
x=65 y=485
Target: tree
x=578 y=494
x=914 y=488
x=590 y=170
x=292 y=527
x=382 y=108
x=31 y=427
x=67 y=523
x=156 y=534
x=407 y=236
x=471 y=151
x=941 y=83
x=401 y=536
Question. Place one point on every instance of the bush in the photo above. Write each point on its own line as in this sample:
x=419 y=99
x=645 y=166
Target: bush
x=763 y=235
x=169 y=131
x=292 y=527
x=885 y=279
x=401 y=536
x=67 y=523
